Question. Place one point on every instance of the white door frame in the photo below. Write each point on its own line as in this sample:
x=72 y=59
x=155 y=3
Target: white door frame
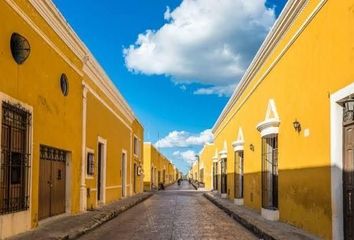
x=337 y=160
x=102 y=141
x=124 y=173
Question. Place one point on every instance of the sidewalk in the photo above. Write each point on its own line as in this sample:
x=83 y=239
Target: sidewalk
x=71 y=227
x=253 y=221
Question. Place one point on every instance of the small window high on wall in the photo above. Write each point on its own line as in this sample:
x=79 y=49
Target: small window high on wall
x=270 y=172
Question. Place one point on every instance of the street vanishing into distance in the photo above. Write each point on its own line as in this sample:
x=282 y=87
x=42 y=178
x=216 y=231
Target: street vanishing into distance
x=179 y=212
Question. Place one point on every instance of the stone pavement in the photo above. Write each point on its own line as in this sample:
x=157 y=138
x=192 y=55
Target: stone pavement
x=253 y=221
x=71 y=227
x=179 y=212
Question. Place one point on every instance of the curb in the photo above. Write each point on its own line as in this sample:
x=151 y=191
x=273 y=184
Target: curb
x=253 y=228
x=106 y=216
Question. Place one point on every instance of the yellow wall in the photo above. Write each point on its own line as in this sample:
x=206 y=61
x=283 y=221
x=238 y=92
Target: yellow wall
x=57 y=120
x=206 y=163
x=300 y=80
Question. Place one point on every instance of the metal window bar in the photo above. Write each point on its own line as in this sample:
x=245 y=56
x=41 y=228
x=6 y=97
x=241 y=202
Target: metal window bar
x=270 y=172
x=15 y=158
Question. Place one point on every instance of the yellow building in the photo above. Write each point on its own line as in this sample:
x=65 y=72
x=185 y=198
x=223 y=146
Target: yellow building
x=157 y=168
x=206 y=167
x=69 y=141
x=284 y=140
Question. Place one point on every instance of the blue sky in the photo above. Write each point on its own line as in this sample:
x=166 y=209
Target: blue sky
x=178 y=75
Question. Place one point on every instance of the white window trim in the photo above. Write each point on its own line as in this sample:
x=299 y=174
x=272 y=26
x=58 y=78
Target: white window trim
x=90 y=150
x=337 y=160
x=238 y=145
x=271 y=123
x=22 y=219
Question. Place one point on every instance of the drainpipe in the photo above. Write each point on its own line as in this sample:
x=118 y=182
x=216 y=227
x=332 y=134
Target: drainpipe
x=83 y=193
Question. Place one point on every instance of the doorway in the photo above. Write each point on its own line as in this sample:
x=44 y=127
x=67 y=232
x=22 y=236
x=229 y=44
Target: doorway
x=348 y=169
x=101 y=171
x=52 y=182
x=124 y=173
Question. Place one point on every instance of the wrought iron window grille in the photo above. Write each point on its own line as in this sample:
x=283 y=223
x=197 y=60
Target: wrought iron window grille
x=15 y=158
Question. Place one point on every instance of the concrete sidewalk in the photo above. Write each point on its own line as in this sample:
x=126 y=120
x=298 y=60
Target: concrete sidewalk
x=254 y=222
x=71 y=227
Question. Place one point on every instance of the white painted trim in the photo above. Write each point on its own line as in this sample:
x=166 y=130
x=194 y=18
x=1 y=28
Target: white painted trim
x=223 y=153
x=238 y=201
x=103 y=141
x=57 y=21
x=113 y=187
x=271 y=123
x=271 y=215
x=287 y=15
x=37 y=29
x=20 y=221
x=337 y=160
x=89 y=150
x=83 y=190
x=95 y=94
x=92 y=68
x=238 y=145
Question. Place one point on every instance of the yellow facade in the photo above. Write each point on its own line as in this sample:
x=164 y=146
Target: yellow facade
x=206 y=166
x=92 y=113
x=299 y=72
x=157 y=168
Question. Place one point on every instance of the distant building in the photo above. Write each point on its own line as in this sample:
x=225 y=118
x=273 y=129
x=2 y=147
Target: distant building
x=157 y=168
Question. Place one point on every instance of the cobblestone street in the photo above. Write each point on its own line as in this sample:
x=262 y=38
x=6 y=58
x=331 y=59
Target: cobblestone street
x=179 y=212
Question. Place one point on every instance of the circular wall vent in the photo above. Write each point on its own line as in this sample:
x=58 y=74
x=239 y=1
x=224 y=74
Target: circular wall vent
x=20 y=48
x=64 y=84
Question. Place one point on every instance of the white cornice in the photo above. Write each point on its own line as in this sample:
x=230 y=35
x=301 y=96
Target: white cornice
x=92 y=68
x=285 y=20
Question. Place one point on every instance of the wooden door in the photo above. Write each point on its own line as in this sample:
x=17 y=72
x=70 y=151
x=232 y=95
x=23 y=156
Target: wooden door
x=348 y=180
x=52 y=182
x=58 y=188
x=44 y=189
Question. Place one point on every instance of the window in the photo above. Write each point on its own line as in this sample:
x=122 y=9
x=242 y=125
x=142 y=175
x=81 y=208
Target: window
x=15 y=159
x=90 y=170
x=270 y=172
x=239 y=174
x=136 y=146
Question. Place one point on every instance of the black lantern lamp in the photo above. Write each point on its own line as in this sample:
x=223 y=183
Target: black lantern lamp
x=348 y=111
x=297 y=126
x=20 y=48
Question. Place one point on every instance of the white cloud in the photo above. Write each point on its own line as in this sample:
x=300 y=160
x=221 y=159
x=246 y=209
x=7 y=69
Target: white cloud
x=218 y=90
x=187 y=156
x=209 y=42
x=185 y=139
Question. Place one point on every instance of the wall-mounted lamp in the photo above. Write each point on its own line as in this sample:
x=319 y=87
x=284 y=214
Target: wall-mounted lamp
x=252 y=147
x=297 y=126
